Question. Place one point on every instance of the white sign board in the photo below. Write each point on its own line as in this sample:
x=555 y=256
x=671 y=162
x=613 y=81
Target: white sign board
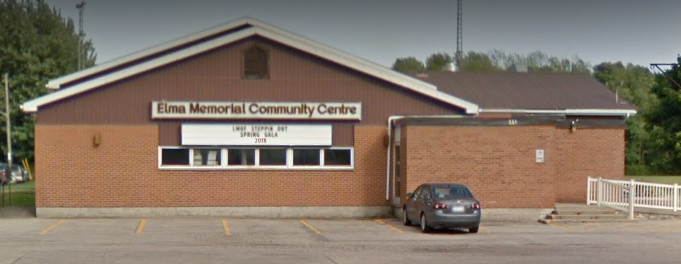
x=540 y=156
x=256 y=135
x=255 y=110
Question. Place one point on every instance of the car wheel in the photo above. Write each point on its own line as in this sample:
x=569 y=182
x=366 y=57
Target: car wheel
x=425 y=228
x=473 y=230
x=405 y=219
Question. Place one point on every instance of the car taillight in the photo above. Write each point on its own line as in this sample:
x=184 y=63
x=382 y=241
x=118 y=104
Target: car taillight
x=439 y=206
x=475 y=206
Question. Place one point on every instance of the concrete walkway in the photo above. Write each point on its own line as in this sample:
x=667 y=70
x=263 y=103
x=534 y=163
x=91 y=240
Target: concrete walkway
x=17 y=212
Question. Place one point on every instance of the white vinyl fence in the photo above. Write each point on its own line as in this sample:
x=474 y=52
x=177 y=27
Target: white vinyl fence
x=626 y=195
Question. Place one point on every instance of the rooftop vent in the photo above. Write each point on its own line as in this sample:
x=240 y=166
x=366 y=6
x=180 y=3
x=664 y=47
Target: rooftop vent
x=450 y=67
x=519 y=67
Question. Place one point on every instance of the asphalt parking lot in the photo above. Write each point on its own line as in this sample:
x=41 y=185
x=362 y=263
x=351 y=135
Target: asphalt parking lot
x=194 y=240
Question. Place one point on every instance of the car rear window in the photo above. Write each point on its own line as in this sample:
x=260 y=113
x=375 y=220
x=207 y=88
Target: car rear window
x=451 y=192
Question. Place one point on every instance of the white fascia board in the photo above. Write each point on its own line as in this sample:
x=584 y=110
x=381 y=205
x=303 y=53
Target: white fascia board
x=585 y=112
x=312 y=48
x=360 y=64
x=368 y=68
x=56 y=83
x=32 y=105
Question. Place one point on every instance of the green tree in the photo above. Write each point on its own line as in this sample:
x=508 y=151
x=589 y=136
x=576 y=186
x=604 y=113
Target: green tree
x=36 y=44
x=408 y=64
x=664 y=121
x=478 y=62
x=438 y=61
x=538 y=61
x=632 y=83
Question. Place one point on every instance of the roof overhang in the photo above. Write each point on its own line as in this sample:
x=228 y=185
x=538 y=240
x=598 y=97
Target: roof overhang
x=574 y=112
x=256 y=28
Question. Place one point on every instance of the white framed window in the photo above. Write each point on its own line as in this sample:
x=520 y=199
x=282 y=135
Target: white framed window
x=206 y=157
x=244 y=158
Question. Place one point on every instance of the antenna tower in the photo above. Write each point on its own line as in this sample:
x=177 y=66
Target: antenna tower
x=459 y=34
x=81 y=36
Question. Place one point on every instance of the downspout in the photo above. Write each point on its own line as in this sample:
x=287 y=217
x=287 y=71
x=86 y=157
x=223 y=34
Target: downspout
x=390 y=129
x=387 y=163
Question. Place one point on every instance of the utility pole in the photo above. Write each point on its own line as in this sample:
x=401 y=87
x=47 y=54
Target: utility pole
x=459 y=33
x=8 y=172
x=81 y=36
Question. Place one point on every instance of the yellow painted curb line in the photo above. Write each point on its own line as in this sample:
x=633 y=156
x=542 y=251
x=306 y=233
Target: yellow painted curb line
x=140 y=228
x=226 y=227
x=310 y=226
x=51 y=227
x=390 y=225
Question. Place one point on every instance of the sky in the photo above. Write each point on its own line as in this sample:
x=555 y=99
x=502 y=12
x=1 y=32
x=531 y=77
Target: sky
x=639 y=32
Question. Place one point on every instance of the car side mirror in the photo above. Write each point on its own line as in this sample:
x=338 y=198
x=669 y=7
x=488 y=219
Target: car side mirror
x=410 y=195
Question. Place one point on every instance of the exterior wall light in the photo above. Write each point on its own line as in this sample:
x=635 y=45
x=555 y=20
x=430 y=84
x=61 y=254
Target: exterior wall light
x=97 y=140
x=573 y=125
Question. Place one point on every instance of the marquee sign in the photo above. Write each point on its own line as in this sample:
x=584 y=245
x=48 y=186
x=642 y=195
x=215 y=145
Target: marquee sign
x=255 y=110
x=256 y=134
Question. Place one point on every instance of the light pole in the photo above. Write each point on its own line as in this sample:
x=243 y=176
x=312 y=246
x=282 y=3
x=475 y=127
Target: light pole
x=8 y=171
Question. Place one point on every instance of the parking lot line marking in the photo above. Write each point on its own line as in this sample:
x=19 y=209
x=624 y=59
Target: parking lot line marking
x=226 y=227
x=140 y=228
x=383 y=222
x=484 y=230
x=561 y=227
x=310 y=226
x=52 y=227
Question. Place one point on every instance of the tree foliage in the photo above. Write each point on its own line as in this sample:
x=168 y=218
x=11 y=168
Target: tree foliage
x=408 y=64
x=36 y=44
x=495 y=61
x=438 y=61
x=664 y=121
x=632 y=83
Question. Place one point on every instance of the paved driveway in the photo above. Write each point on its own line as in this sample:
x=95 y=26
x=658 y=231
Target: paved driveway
x=329 y=241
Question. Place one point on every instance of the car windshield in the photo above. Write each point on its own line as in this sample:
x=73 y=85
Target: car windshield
x=451 y=192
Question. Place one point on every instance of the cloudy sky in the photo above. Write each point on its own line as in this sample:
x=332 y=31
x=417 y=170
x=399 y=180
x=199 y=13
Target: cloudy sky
x=640 y=32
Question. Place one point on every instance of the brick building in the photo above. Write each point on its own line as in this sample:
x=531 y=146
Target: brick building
x=246 y=119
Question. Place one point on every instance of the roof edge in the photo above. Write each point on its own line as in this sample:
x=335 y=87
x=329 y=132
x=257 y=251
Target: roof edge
x=286 y=38
x=585 y=112
x=57 y=82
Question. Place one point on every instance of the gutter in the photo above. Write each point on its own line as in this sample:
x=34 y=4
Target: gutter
x=584 y=112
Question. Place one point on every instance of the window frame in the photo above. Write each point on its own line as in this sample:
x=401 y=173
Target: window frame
x=192 y=152
x=323 y=157
x=225 y=153
x=286 y=155
x=255 y=158
x=160 y=157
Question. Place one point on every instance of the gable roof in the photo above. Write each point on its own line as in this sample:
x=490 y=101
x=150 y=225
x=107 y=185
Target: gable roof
x=509 y=92
x=98 y=76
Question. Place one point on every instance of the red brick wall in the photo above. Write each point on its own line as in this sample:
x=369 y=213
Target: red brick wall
x=123 y=172
x=498 y=163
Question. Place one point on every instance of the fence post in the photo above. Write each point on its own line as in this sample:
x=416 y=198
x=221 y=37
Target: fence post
x=632 y=193
x=676 y=197
x=588 y=189
x=599 y=190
